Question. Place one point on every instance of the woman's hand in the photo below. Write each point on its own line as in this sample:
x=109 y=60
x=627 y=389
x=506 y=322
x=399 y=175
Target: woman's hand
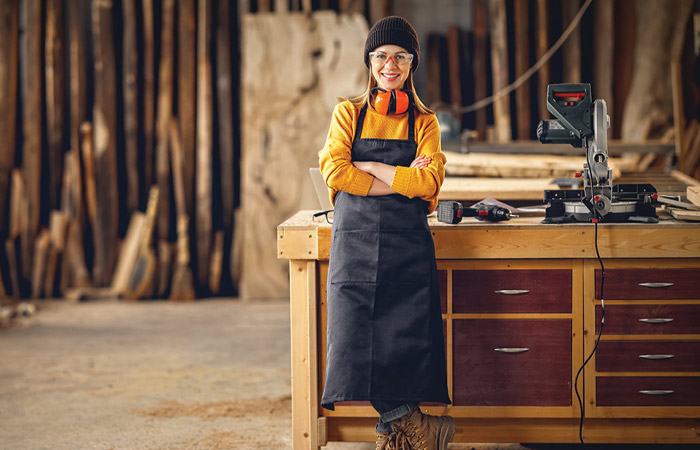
x=421 y=162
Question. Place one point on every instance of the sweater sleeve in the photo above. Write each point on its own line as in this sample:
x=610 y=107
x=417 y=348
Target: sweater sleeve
x=335 y=159
x=423 y=183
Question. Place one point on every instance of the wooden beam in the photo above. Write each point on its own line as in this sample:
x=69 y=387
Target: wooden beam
x=77 y=77
x=130 y=69
x=603 y=55
x=186 y=79
x=499 y=68
x=522 y=63
x=479 y=66
x=9 y=18
x=571 y=50
x=58 y=225
x=53 y=72
x=105 y=142
x=163 y=117
x=542 y=39
x=41 y=250
x=30 y=47
x=204 y=142
x=454 y=66
x=224 y=97
x=148 y=92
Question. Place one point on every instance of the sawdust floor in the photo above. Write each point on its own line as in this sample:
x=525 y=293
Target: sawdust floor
x=108 y=375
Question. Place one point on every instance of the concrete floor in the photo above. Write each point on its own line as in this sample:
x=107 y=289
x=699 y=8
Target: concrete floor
x=108 y=375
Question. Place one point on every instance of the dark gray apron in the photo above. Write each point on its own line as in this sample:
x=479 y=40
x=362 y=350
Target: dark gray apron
x=385 y=338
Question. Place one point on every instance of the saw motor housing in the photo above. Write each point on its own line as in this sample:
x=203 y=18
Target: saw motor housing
x=583 y=123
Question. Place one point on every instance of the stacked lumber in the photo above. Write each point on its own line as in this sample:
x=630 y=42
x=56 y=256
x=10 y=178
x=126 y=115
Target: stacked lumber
x=85 y=208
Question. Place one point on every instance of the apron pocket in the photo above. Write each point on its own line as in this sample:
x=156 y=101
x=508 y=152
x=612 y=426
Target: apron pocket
x=354 y=257
x=406 y=256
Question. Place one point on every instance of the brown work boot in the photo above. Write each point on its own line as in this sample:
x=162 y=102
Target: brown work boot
x=423 y=431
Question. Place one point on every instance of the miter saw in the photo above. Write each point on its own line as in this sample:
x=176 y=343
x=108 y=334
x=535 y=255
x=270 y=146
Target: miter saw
x=585 y=125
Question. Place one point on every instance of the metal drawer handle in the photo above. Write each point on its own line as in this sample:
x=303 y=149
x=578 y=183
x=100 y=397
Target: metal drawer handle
x=656 y=357
x=511 y=349
x=656 y=320
x=513 y=291
x=656 y=392
x=656 y=285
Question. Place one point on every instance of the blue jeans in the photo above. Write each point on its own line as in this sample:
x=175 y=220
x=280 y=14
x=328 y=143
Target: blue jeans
x=390 y=411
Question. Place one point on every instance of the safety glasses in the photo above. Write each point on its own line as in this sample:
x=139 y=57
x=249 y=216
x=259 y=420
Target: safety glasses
x=401 y=59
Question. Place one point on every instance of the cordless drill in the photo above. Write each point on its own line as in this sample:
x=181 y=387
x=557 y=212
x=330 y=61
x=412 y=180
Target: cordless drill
x=450 y=211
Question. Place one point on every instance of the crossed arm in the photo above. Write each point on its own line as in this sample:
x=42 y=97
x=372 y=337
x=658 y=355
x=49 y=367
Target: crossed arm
x=384 y=173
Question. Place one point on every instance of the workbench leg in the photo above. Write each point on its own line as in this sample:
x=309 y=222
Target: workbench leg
x=303 y=316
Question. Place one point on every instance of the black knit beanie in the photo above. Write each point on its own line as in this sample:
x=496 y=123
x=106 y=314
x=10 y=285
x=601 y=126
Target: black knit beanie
x=393 y=30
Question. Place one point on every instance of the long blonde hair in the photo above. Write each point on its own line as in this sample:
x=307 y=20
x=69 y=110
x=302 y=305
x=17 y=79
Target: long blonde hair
x=363 y=99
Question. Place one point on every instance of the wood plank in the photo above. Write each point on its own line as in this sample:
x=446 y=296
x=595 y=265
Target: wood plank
x=603 y=53
x=74 y=270
x=105 y=142
x=522 y=63
x=54 y=78
x=571 y=50
x=130 y=69
x=11 y=244
x=454 y=65
x=479 y=65
x=216 y=262
x=89 y=165
x=520 y=166
x=682 y=214
x=30 y=51
x=678 y=107
x=164 y=116
x=659 y=41
x=693 y=195
x=475 y=189
x=689 y=135
x=542 y=40
x=58 y=225
x=186 y=102
x=148 y=92
x=499 y=69
x=129 y=252
x=41 y=250
x=142 y=277
x=224 y=97
x=9 y=17
x=204 y=142
x=77 y=73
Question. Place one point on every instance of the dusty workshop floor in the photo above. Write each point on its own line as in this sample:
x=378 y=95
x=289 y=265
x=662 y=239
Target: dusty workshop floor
x=209 y=375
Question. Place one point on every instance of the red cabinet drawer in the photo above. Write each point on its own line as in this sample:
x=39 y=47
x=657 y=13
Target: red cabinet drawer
x=511 y=291
x=492 y=367
x=648 y=391
x=650 y=319
x=648 y=356
x=651 y=284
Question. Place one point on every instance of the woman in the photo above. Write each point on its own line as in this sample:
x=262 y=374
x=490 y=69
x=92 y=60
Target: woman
x=383 y=165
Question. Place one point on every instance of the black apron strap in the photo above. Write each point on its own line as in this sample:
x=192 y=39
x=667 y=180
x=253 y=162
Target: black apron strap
x=360 y=122
x=411 y=123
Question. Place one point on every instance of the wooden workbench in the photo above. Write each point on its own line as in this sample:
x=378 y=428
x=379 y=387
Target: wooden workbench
x=520 y=307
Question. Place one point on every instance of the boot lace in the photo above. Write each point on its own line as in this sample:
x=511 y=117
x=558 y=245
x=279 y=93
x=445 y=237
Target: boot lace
x=410 y=437
x=393 y=441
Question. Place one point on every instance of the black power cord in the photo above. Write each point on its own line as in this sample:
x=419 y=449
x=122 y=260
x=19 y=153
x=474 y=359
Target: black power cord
x=600 y=333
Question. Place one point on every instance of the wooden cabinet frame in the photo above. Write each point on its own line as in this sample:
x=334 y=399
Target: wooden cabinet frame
x=524 y=243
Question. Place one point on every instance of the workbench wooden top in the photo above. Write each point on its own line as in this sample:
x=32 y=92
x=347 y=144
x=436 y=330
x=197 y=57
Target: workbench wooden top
x=303 y=237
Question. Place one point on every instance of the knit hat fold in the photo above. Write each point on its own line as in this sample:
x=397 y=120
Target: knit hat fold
x=393 y=30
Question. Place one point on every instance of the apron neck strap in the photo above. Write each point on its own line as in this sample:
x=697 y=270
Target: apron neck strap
x=363 y=113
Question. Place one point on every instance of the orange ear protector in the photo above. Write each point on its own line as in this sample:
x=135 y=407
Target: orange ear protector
x=388 y=102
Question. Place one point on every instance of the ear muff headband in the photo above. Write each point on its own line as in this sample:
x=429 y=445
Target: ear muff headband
x=388 y=102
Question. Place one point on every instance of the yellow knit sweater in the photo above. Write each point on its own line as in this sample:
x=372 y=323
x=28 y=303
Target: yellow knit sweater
x=335 y=157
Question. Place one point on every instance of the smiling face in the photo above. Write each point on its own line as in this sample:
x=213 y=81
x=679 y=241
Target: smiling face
x=388 y=74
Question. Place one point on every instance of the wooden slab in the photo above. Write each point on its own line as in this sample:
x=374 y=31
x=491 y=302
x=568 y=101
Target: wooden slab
x=278 y=149
x=54 y=79
x=186 y=84
x=693 y=194
x=41 y=250
x=518 y=166
x=131 y=111
x=105 y=142
x=30 y=52
x=499 y=68
x=682 y=214
x=129 y=252
x=148 y=91
x=467 y=188
x=9 y=16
